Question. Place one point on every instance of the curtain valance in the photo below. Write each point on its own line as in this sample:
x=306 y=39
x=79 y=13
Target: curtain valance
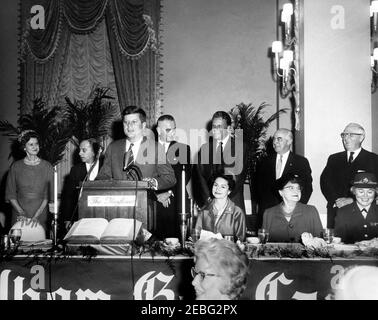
x=134 y=30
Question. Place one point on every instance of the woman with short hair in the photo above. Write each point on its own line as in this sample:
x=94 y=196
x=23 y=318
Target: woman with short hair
x=30 y=184
x=220 y=271
x=221 y=214
x=287 y=221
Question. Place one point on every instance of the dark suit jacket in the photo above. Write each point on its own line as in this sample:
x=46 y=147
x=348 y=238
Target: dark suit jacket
x=235 y=158
x=266 y=193
x=70 y=191
x=151 y=160
x=336 y=178
x=351 y=226
x=168 y=219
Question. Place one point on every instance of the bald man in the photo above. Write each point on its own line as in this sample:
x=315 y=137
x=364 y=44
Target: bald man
x=336 y=178
x=272 y=167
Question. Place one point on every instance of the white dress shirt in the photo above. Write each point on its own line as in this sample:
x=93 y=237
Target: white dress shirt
x=355 y=154
x=94 y=171
x=135 y=148
x=284 y=160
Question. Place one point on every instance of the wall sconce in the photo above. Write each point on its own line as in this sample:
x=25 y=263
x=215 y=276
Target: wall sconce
x=374 y=44
x=285 y=54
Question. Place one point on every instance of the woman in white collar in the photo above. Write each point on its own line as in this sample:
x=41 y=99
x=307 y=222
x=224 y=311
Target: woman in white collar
x=221 y=214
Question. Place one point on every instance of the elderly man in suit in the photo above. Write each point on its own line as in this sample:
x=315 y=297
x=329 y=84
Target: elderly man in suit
x=222 y=154
x=138 y=150
x=272 y=167
x=169 y=204
x=336 y=178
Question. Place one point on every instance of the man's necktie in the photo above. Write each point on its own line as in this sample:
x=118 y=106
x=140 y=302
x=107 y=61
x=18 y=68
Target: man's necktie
x=220 y=147
x=350 y=160
x=279 y=167
x=129 y=157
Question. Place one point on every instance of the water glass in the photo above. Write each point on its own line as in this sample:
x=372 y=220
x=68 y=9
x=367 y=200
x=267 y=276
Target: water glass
x=328 y=235
x=263 y=235
x=195 y=235
x=229 y=237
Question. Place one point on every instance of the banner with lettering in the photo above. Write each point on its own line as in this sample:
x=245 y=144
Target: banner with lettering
x=161 y=278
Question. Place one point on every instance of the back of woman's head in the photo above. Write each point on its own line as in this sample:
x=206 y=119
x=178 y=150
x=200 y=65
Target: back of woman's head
x=358 y=283
x=230 y=262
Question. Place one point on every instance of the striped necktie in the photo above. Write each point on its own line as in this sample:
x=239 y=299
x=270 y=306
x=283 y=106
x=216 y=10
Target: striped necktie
x=129 y=157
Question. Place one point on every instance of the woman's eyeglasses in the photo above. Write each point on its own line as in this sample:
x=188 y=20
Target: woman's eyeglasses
x=293 y=188
x=201 y=274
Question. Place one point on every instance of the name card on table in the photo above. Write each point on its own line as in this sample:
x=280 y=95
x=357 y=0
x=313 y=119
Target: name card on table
x=111 y=201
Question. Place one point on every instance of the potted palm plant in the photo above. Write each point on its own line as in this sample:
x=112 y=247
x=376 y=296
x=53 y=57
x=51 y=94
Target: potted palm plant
x=254 y=129
x=92 y=118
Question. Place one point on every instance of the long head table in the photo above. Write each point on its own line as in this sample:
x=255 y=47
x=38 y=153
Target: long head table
x=160 y=277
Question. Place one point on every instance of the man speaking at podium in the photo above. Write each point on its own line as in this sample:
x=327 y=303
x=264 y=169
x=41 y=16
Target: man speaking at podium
x=137 y=151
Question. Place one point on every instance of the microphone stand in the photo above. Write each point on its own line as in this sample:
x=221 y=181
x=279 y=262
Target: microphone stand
x=55 y=232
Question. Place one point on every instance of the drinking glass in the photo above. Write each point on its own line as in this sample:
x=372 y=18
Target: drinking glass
x=195 y=235
x=15 y=236
x=328 y=235
x=263 y=235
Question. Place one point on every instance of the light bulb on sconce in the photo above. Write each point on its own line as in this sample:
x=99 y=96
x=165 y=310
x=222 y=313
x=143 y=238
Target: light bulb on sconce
x=374 y=13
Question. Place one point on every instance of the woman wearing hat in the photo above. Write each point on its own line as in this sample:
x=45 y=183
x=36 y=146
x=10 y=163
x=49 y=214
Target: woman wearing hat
x=287 y=221
x=359 y=220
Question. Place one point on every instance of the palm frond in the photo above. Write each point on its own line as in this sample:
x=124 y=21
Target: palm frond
x=51 y=125
x=8 y=129
x=254 y=129
x=93 y=118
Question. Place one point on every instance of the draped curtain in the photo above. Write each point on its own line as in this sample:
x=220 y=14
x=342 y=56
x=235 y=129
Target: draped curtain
x=74 y=52
x=111 y=43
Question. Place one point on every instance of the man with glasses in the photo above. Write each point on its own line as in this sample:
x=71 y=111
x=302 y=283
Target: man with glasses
x=273 y=167
x=169 y=203
x=137 y=150
x=335 y=180
x=223 y=154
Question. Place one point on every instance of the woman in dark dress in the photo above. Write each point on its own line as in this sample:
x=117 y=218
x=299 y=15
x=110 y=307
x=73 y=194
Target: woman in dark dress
x=287 y=221
x=30 y=184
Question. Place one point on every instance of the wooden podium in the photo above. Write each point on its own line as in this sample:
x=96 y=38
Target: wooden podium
x=111 y=199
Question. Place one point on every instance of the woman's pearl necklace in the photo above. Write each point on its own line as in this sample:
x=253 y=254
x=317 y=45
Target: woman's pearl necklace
x=32 y=162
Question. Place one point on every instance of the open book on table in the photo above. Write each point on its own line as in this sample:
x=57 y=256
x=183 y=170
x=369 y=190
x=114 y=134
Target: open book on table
x=102 y=231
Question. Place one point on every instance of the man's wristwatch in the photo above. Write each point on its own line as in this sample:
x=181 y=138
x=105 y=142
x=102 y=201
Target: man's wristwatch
x=170 y=193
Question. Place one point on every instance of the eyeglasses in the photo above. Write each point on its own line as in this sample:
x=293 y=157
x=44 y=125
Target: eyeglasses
x=349 y=135
x=201 y=274
x=293 y=188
